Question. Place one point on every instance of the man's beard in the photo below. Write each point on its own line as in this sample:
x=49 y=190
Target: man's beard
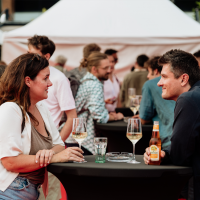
x=103 y=77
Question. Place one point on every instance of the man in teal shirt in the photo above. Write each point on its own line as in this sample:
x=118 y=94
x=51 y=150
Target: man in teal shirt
x=153 y=107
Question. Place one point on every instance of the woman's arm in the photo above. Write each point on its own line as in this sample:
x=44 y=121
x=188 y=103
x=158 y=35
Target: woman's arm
x=20 y=163
x=27 y=163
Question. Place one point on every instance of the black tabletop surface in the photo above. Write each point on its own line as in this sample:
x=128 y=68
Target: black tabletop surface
x=119 y=126
x=113 y=169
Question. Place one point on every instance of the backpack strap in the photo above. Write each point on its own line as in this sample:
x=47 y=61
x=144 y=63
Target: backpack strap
x=89 y=79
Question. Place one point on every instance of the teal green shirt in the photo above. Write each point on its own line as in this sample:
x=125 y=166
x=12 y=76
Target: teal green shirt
x=154 y=107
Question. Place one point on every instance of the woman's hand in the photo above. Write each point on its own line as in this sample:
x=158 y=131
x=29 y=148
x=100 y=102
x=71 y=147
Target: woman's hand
x=69 y=154
x=43 y=157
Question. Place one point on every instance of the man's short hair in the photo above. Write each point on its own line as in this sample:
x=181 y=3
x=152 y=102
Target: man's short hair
x=197 y=54
x=42 y=43
x=88 y=49
x=141 y=59
x=110 y=52
x=182 y=63
x=61 y=60
x=153 y=64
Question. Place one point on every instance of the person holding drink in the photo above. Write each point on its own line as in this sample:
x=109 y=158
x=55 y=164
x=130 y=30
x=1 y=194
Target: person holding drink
x=180 y=81
x=29 y=140
x=90 y=100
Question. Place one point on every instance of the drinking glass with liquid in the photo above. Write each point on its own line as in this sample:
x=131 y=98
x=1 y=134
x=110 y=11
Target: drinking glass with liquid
x=135 y=105
x=134 y=133
x=100 y=149
x=131 y=93
x=79 y=132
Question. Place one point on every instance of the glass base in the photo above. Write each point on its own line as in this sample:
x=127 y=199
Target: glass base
x=133 y=162
x=97 y=161
x=80 y=162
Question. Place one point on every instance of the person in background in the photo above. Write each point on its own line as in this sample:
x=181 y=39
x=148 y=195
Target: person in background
x=153 y=107
x=90 y=100
x=60 y=62
x=111 y=86
x=29 y=140
x=180 y=81
x=59 y=100
x=135 y=79
x=2 y=69
x=197 y=56
x=112 y=52
x=3 y=63
x=78 y=72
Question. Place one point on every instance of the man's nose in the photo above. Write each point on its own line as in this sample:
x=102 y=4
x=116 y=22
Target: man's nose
x=159 y=84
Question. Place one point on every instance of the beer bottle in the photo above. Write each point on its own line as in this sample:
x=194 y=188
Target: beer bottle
x=155 y=145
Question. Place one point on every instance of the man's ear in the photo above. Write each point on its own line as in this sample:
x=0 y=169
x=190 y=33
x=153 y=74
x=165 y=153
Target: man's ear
x=185 y=79
x=27 y=81
x=155 y=72
x=94 y=70
x=47 y=56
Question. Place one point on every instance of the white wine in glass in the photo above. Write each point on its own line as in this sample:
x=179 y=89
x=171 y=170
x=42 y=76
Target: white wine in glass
x=135 y=105
x=134 y=133
x=79 y=132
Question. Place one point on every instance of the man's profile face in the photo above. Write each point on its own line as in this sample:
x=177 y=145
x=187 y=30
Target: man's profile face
x=171 y=87
x=112 y=63
x=150 y=74
x=115 y=57
x=103 y=70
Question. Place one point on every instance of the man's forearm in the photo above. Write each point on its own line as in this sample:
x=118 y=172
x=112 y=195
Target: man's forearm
x=145 y=121
x=67 y=129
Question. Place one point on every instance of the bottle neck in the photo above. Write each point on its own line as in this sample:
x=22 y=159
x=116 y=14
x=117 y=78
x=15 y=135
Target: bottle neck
x=155 y=134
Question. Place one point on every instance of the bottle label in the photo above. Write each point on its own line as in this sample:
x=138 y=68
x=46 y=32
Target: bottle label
x=156 y=127
x=154 y=150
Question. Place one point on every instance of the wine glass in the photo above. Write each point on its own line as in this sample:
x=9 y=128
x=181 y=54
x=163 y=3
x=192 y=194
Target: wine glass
x=135 y=105
x=79 y=132
x=134 y=133
x=131 y=93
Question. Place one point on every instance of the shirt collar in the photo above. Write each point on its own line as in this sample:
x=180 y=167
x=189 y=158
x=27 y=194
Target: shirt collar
x=196 y=84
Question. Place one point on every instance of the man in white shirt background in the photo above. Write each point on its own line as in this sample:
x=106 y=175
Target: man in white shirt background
x=60 y=100
x=112 y=85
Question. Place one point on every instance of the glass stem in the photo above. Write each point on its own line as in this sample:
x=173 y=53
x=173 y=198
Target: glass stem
x=79 y=145
x=133 y=151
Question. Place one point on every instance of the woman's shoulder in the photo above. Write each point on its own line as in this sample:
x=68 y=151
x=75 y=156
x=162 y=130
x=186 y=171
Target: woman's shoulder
x=10 y=105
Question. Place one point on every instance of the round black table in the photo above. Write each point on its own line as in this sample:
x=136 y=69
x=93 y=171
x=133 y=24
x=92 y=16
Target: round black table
x=117 y=140
x=120 y=181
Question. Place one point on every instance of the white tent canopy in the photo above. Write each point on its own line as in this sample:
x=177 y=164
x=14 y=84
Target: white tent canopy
x=132 y=27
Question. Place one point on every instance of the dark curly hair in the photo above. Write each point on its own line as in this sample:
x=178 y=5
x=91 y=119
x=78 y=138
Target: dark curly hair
x=153 y=64
x=42 y=43
x=141 y=59
x=182 y=63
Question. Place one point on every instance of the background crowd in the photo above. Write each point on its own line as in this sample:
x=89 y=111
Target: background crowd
x=41 y=100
